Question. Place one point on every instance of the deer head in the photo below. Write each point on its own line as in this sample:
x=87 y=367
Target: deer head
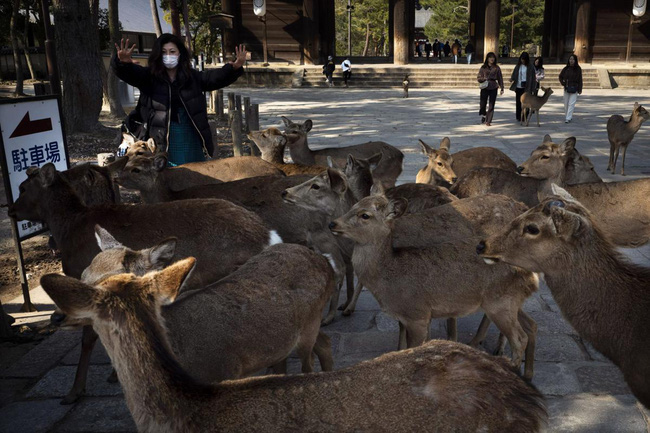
x=271 y=142
x=322 y=193
x=141 y=172
x=438 y=169
x=548 y=160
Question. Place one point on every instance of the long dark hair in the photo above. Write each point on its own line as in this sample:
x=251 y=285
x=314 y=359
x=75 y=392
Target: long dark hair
x=541 y=62
x=490 y=54
x=524 y=59
x=155 y=58
x=569 y=59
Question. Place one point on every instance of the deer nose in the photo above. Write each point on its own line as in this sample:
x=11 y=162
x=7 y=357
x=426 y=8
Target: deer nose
x=332 y=225
x=480 y=248
x=520 y=169
x=284 y=193
x=57 y=318
x=454 y=179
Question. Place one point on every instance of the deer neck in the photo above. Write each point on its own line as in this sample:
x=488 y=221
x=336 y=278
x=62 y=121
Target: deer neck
x=275 y=156
x=60 y=211
x=545 y=97
x=634 y=123
x=368 y=259
x=344 y=204
x=558 y=179
x=300 y=152
x=162 y=188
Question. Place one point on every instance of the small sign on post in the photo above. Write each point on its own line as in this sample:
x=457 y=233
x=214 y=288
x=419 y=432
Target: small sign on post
x=32 y=136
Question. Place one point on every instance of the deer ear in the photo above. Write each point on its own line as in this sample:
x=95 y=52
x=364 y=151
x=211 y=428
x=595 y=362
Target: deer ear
x=151 y=145
x=105 y=240
x=306 y=127
x=636 y=105
x=426 y=149
x=73 y=297
x=377 y=188
x=547 y=139
x=375 y=159
x=337 y=181
x=562 y=193
x=286 y=121
x=127 y=138
x=160 y=162
x=445 y=144
x=397 y=207
x=161 y=255
x=118 y=165
x=166 y=284
x=568 y=145
x=568 y=224
x=281 y=140
x=350 y=162
x=47 y=174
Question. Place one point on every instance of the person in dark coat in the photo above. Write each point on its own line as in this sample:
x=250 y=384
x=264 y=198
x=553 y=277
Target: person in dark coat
x=172 y=105
x=571 y=80
x=469 y=51
x=427 y=48
x=328 y=70
x=447 y=49
x=523 y=80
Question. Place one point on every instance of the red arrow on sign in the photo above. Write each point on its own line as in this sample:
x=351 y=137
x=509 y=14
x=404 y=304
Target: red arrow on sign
x=27 y=126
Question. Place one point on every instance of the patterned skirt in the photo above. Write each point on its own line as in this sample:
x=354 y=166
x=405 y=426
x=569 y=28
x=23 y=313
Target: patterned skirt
x=185 y=144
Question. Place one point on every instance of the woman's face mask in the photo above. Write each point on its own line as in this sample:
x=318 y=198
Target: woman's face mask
x=170 y=61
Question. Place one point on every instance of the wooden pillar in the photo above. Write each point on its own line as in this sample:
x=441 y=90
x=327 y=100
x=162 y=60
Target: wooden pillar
x=327 y=31
x=563 y=26
x=311 y=32
x=553 y=34
x=231 y=7
x=584 y=30
x=401 y=40
x=491 y=37
x=548 y=18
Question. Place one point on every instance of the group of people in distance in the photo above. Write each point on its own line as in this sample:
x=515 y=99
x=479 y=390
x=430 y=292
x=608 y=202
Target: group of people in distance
x=440 y=50
x=525 y=78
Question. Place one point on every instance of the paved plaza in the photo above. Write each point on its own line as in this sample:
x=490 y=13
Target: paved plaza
x=585 y=392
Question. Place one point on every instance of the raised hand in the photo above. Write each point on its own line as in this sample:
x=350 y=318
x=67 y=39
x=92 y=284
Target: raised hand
x=240 y=53
x=124 y=52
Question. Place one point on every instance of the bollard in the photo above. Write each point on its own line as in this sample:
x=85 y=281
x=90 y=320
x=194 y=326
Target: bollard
x=219 y=106
x=236 y=128
x=247 y=112
x=103 y=159
x=238 y=103
x=253 y=122
x=231 y=104
x=213 y=102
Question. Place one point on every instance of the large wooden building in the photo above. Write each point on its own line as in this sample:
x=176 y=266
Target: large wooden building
x=303 y=31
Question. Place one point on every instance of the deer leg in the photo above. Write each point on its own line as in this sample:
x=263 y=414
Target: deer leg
x=508 y=323
x=611 y=156
x=88 y=340
x=623 y=161
x=349 y=284
x=615 y=159
x=402 y=337
x=416 y=333
x=538 y=125
x=530 y=328
x=452 y=329
x=353 y=303
x=501 y=345
x=481 y=332
x=306 y=346
x=323 y=350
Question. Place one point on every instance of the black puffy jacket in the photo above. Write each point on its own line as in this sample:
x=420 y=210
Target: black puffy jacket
x=155 y=95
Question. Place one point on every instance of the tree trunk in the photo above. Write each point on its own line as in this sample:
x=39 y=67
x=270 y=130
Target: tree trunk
x=155 y=17
x=365 y=47
x=186 y=21
x=176 y=21
x=80 y=63
x=28 y=56
x=113 y=83
x=13 y=32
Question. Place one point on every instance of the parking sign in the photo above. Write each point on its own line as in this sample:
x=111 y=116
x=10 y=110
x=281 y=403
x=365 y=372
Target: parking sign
x=32 y=135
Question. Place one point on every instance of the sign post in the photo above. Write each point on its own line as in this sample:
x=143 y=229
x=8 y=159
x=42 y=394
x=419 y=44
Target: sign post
x=31 y=135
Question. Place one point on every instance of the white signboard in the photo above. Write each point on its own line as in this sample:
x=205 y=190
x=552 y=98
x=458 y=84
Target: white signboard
x=32 y=136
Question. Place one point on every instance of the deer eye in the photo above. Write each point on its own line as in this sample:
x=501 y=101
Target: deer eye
x=365 y=216
x=440 y=164
x=315 y=186
x=544 y=157
x=136 y=170
x=531 y=229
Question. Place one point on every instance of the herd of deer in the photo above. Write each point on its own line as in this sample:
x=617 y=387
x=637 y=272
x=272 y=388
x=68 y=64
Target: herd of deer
x=228 y=265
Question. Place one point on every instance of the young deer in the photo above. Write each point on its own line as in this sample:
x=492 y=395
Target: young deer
x=131 y=147
x=222 y=235
x=444 y=168
x=604 y=297
x=271 y=142
x=387 y=171
x=441 y=386
x=415 y=284
x=620 y=134
x=532 y=104
x=245 y=312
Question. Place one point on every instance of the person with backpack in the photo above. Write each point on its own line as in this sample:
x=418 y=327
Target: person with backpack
x=328 y=70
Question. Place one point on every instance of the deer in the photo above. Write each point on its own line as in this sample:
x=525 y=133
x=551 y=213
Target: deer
x=405 y=86
x=532 y=104
x=621 y=132
x=221 y=234
x=387 y=171
x=600 y=293
x=164 y=397
x=446 y=279
x=444 y=168
x=284 y=280
x=621 y=208
x=130 y=147
x=271 y=142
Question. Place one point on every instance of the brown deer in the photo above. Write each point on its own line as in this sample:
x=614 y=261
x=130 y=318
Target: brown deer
x=131 y=147
x=602 y=295
x=621 y=132
x=444 y=168
x=387 y=171
x=222 y=235
x=446 y=279
x=440 y=386
x=245 y=312
x=271 y=142
x=532 y=104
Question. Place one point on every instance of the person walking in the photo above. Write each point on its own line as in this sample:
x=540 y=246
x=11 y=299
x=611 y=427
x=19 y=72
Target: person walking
x=171 y=103
x=571 y=80
x=469 y=50
x=328 y=70
x=436 y=48
x=539 y=72
x=505 y=51
x=523 y=80
x=489 y=73
x=427 y=48
x=447 y=49
x=455 y=50
x=346 y=66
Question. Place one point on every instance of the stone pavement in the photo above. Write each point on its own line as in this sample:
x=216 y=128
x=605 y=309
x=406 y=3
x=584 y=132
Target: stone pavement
x=585 y=392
